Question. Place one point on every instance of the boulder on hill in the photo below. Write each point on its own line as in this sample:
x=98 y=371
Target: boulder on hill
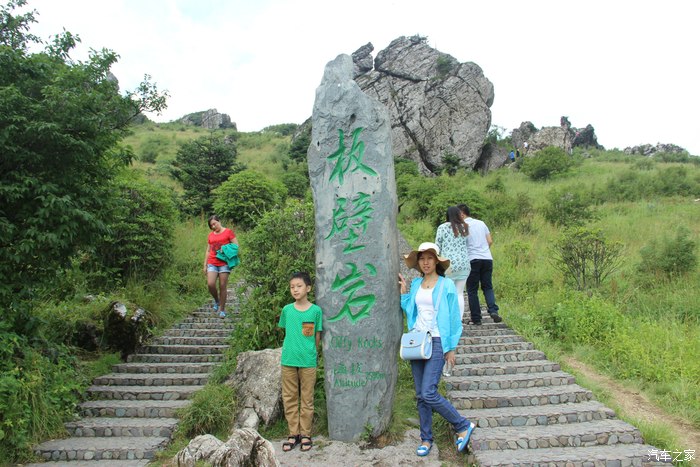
x=650 y=149
x=437 y=105
x=528 y=139
x=210 y=119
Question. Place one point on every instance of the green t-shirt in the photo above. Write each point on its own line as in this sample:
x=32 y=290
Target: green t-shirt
x=299 y=347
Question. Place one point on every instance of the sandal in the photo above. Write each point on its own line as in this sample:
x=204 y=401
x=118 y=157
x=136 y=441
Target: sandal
x=291 y=443
x=463 y=440
x=424 y=450
x=306 y=443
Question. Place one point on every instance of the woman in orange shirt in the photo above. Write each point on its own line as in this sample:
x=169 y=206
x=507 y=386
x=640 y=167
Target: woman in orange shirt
x=214 y=267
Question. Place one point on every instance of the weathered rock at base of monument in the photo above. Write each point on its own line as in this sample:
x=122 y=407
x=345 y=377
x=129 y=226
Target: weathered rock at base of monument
x=352 y=179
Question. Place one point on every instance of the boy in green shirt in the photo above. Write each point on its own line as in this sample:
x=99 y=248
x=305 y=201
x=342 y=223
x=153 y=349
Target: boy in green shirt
x=302 y=322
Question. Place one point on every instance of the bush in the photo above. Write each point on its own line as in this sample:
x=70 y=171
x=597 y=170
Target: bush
x=585 y=256
x=140 y=222
x=568 y=206
x=211 y=411
x=671 y=257
x=502 y=209
x=297 y=184
x=152 y=147
x=246 y=196
x=280 y=244
x=546 y=163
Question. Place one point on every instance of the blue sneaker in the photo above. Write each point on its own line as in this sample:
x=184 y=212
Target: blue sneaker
x=215 y=306
x=423 y=450
x=222 y=314
x=463 y=441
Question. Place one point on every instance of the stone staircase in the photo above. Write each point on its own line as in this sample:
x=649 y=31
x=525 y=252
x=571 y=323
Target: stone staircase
x=131 y=413
x=529 y=412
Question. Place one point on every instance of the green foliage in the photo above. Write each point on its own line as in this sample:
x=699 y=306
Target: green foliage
x=245 y=196
x=39 y=388
x=501 y=209
x=297 y=183
x=670 y=257
x=300 y=144
x=201 y=166
x=547 y=163
x=211 y=411
x=140 y=224
x=586 y=256
x=496 y=185
x=444 y=65
x=450 y=163
x=283 y=129
x=580 y=319
x=152 y=147
x=632 y=185
x=280 y=244
x=568 y=206
x=60 y=121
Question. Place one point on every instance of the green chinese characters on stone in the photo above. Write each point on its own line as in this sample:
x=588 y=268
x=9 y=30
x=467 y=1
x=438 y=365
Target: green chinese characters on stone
x=349 y=286
x=349 y=159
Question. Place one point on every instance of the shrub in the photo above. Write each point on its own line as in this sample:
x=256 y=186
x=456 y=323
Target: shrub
x=141 y=222
x=568 y=206
x=296 y=183
x=281 y=243
x=152 y=147
x=546 y=163
x=501 y=209
x=211 y=411
x=671 y=257
x=585 y=256
x=245 y=196
x=450 y=163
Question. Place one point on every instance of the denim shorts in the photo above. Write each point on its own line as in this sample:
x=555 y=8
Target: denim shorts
x=218 y=269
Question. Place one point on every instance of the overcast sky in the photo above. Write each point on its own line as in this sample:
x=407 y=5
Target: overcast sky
x=629 y=68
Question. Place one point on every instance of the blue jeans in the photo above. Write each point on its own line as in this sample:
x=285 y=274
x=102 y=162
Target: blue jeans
x=481 y=272
x=426 y=376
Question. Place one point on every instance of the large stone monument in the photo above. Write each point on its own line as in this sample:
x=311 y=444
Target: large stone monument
x=352 y=178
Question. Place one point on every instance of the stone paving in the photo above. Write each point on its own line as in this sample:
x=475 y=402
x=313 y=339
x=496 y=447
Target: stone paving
x=132 y=412
x=529 y=412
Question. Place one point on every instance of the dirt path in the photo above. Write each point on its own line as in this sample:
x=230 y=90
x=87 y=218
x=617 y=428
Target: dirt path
x=638 y=406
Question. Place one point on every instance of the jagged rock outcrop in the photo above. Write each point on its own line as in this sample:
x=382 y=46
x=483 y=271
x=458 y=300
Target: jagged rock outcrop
x=528 y=139
x=650 y=149
x=245 y=447
x=437 y=105
x=210 y=119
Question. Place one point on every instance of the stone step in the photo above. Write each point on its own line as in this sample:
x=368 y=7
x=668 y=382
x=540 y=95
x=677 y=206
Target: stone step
x=142 y=392
x=612 y=455
x=121 y=448
x=133 y=408
x=140 y=379
x=522 y=380
x=549 y=414
x=121 y=426
x=112 y=463
x=506 y=356
x=203 y=332
x=221 y=325
x=163 y=368
x=210 y=321
x=183 y=349
x=179 y=340
x=598 y=432
x=485 y=325
x=485 y=340
x=492 y=348
x=519 y=397
x=505 y=368
x=180 y=358
x=475 y=331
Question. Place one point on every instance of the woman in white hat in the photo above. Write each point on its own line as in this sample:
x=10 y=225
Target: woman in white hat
x=431 y=305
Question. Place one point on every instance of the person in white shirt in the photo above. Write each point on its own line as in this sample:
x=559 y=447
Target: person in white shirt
x=481 y=261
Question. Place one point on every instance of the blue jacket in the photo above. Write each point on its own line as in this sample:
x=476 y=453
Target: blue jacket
x=229 y=253
x=449 y=321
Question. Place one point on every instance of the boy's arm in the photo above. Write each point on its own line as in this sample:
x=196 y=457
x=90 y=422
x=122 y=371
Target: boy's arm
x=318 y=339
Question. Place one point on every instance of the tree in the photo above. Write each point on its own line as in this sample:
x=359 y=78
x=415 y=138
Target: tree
x=202 y=165
x=546 y=163
x=60 y=123
x=245 y=196
x=586 y=256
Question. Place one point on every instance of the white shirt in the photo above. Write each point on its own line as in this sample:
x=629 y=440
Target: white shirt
x=427 y=319
x=478 y=245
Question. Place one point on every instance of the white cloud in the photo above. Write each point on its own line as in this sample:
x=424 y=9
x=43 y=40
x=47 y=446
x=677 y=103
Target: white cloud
x=625 y=67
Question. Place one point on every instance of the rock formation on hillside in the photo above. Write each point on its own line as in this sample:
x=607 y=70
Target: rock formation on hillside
x=437 y=105
x=650 y=149
x=210 y=119
x=528 y=138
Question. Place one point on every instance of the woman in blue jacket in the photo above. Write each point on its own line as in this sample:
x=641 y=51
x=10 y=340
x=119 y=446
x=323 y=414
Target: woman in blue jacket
x=430 y=291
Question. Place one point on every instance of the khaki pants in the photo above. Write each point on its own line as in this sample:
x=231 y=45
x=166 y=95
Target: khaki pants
x=298 y=387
